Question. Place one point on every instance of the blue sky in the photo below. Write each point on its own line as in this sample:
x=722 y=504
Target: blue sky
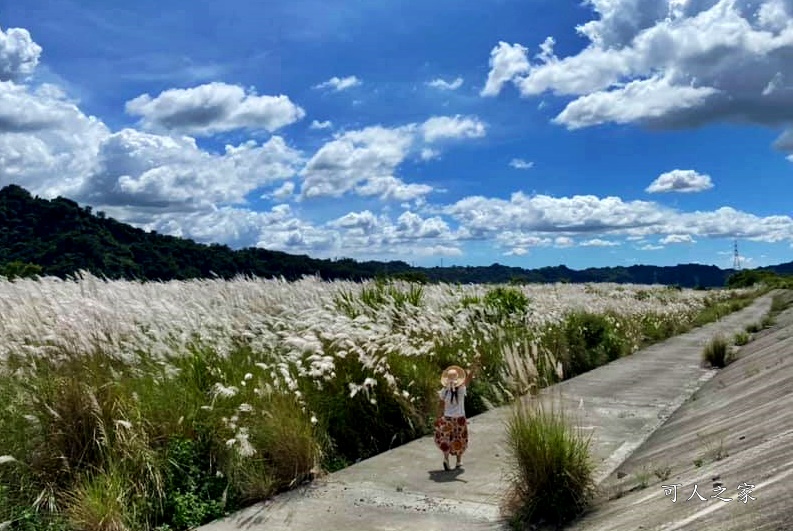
x=611 y=132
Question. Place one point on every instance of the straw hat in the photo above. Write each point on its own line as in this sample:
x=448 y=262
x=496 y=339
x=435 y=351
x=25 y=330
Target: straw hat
x=454 y=375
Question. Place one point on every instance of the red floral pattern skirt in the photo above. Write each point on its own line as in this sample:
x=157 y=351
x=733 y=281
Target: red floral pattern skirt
x=451 y=435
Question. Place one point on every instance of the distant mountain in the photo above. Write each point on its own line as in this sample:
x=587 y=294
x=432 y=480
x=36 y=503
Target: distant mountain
x=61 y=237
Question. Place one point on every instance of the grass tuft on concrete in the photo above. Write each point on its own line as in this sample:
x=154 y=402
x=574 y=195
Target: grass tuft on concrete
x=716 y=353
x=552 y=473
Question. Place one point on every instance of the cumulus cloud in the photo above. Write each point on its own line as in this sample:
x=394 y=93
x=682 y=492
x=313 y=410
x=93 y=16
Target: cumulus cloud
x=173 y=172
x=664 y=63
x=354 y=157
x=338 y=84
x=507 y=62
x=677 y=238
x=213 y=108
x=429 y=154
x=46 y=143
x=446 y=85
x=282 y=193
x=19 y=55
x=409 y=234
x=520 y=164
x=685 y=181
x=365 y=161
x=447 y=127
x=327 y=124
x=563 y=241
x=597 y=242
x=523 y=221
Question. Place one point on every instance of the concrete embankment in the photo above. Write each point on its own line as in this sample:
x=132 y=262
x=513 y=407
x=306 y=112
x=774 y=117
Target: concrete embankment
x=622 y=403
x=732 y=440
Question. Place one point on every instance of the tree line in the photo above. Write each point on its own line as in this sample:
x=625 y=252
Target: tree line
x=59 y=237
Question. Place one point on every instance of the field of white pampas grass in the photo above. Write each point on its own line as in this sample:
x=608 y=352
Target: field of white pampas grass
x=258 y=383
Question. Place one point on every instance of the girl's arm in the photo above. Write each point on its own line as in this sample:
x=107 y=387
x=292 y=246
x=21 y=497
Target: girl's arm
x=471 y=372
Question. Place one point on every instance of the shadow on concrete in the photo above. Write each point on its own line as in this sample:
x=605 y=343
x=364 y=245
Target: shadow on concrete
x=447 y=476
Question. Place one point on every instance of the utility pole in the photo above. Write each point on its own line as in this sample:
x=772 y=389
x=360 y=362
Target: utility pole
x=736 y=258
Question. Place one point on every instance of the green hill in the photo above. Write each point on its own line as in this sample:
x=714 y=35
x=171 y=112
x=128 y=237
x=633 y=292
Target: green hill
x=58 y=237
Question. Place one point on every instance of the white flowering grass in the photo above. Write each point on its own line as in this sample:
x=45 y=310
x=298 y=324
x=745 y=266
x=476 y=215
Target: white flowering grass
x=189 y=398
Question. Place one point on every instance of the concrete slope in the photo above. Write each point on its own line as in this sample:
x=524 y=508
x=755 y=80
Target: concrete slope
x=737 y=429
x=623 y=403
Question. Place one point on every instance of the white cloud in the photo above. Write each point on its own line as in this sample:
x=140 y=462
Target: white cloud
x=353 y=158
x=339 y=84
x=19 y=55
x=282 y=193
x=597 y=242
x=390 y=188
x=365 y=161
x=446 y=127
x=370 y=234
x=327 y=124
x=677 y=238
x=446 y=85
x=664 y=63
x=650 y=247
x=563 y=241
x=685 y=181
x=520 y=164
x=546 y=214
x=543 y=216
x=429 y=154
x=213 y=108
x=507 y=62
x=144 y=169
x=643 y=99
x=47 y=144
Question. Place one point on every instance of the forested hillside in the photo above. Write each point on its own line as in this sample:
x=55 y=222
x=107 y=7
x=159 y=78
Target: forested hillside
x=58 y=237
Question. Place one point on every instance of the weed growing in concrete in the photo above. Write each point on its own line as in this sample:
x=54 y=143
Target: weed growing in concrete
x=741 y=338
x=715 y=450
x=642 y=479
x=552 y=473
x=716 y=352
x=663 y=472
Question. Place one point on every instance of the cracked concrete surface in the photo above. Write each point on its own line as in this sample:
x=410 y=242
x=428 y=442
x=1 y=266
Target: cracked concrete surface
x=623 y=404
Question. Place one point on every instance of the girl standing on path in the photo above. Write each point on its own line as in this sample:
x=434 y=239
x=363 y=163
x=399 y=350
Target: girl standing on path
x=451 y=426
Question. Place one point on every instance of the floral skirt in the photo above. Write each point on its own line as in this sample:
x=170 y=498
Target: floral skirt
x=451 y=435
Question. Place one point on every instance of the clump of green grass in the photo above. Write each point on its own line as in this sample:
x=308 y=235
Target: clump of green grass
x=716 y=353
x=741 y=338
x=552 y=473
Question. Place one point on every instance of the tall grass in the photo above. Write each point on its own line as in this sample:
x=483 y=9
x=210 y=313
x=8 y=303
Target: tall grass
x=716 y=352
x=164 y=405
x=552 y=473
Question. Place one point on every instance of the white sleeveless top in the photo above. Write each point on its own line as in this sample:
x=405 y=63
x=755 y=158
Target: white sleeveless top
x=453 y=408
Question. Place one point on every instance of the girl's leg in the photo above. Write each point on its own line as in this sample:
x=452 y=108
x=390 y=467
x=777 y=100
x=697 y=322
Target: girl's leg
x=446 y=465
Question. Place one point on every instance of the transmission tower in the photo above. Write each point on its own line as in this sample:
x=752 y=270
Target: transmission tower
x=736 y=258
